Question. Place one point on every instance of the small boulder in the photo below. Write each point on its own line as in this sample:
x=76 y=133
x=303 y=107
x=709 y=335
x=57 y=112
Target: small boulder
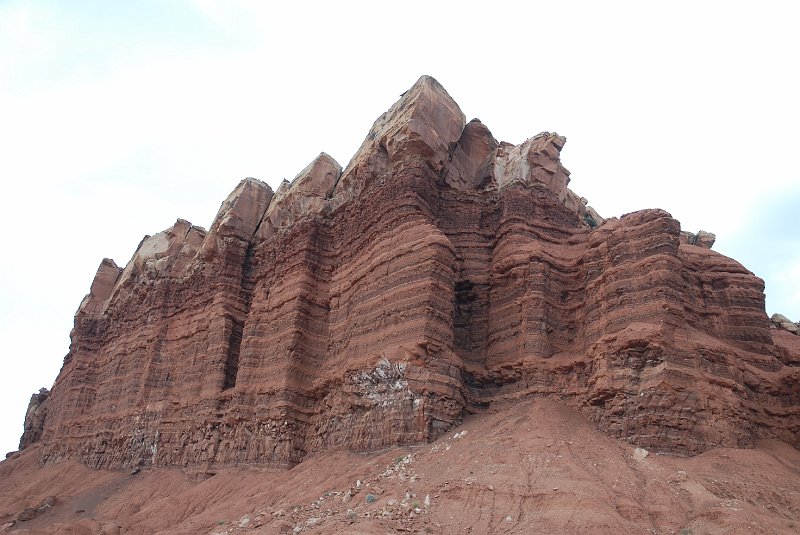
x=701 y=239
x=29 y=513
x=782 y=322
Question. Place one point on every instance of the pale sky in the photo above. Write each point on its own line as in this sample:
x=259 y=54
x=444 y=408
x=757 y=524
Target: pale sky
x=116 y=118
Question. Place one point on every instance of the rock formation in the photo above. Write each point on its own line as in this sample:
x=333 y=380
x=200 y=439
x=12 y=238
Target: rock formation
x=441 y=272
x=701 y=239
x=782 y=322
x=34 y=418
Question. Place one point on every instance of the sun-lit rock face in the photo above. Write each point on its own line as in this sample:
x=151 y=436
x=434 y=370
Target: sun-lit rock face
x=441 y=272
x=307 y=194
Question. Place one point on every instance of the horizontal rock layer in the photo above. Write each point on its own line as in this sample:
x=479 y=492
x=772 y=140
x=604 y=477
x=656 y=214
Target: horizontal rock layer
x=442 y=271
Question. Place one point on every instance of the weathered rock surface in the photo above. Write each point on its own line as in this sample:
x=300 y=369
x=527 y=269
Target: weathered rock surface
x=34 y=418
x=701 y=239
x=29 y=513
x=782 y=322
x=440 y=273
x=533 y=465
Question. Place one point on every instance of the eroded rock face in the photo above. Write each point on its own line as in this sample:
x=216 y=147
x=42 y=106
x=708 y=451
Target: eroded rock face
x=782 y=322
x=441 y=272
x=306 y=195
x=701 y=239
x=34 y=418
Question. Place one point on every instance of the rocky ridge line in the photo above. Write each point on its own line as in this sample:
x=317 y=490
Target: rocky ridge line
x=439 y=273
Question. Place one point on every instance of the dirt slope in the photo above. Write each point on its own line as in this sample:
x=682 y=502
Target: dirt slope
x=534 y=466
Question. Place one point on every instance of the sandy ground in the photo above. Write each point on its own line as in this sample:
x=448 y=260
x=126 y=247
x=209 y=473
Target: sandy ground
x=532 y=467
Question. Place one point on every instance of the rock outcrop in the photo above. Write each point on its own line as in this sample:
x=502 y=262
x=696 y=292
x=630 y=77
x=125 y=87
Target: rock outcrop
x=34 y=418
x=440 y=273
x=782 y=322
x=701 y=239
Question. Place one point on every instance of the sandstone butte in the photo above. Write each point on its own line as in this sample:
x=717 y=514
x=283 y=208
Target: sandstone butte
x=443 y=280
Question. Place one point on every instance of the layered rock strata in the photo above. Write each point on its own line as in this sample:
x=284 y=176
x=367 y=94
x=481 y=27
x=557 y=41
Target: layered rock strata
x=441 y=272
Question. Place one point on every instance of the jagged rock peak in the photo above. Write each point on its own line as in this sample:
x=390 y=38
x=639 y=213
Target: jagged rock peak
x=241 y=213
x=306 y=194
x=162 y=253
x=166 y=253
x=427 y=126
x=426 y=113
x=471 y=158
x=318 y=177
x=422 y=124
x=537 y=162
x=103 y=284
x=283 y=187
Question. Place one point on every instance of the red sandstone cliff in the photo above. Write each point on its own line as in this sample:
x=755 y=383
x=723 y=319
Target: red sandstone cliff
x=441 y=272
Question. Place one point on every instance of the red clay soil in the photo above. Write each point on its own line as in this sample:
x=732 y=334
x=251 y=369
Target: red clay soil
x=534 y=466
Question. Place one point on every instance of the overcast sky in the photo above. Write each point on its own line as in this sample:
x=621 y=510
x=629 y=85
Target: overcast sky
x=116 y=118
